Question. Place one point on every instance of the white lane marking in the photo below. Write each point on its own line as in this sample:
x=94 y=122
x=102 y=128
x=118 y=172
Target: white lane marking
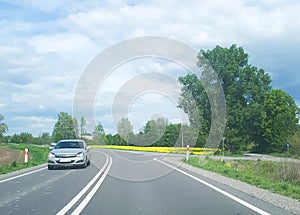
x=24 y=174
x=83 y=191
x=242 y=202
x=87 y=199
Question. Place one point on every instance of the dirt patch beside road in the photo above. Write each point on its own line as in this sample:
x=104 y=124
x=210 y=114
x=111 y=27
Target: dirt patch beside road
x=7 y=155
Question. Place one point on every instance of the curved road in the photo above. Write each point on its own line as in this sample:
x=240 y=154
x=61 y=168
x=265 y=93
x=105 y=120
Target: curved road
x=119 y=182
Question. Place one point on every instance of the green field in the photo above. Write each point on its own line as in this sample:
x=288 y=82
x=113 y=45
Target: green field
x=173 y=150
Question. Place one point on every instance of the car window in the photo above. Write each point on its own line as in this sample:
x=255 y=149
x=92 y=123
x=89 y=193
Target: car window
x=71 y=144
x=81 y=145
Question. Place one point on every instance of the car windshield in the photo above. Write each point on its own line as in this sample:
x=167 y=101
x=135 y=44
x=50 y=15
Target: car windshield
x=69 y=144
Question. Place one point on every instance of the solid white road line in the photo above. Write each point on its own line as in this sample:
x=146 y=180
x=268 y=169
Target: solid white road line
x=87 y=199
x=24 y=174
x=84 y=190
x=242 y=202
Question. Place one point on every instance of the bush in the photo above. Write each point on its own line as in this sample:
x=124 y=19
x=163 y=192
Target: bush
x=295 y=144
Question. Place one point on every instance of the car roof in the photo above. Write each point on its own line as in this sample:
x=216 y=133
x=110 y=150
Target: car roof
x=71 y=140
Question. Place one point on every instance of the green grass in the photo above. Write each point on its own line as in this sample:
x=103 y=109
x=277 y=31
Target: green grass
x=37 y=156
x=285 y=155
x=281 y=178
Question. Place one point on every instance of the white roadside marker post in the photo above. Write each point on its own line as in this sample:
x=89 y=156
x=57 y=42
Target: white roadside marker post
x=187 y=152
x=26 y=155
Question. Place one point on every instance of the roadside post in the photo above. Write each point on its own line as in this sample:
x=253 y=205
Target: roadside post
x=26 y=155
x=288 y=147
x=187 y=152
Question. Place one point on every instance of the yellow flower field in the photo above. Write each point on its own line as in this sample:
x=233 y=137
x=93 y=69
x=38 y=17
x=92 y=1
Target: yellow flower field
x=176 y=150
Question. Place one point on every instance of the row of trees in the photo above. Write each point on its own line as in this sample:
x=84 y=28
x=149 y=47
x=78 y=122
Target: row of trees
x=66 y=127
x=25 y=137
x=155 y=133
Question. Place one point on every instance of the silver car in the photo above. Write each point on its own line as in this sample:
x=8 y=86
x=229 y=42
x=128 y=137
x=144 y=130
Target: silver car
x=69 y=153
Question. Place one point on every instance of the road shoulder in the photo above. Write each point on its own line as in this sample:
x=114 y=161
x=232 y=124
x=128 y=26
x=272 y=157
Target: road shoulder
x=284 y=202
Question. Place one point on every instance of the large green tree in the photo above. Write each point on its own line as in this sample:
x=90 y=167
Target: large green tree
x=3 y=126
x=245 y=88
x=194 y=101
x=64 y=127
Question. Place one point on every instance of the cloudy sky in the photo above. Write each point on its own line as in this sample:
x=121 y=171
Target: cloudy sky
x=46 y=45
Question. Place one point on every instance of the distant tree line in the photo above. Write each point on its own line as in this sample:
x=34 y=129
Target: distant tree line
x=27 y=138
x=156 y=132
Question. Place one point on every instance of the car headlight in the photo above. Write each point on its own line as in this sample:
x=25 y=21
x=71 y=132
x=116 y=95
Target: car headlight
x=51 y=155
x=80 y=155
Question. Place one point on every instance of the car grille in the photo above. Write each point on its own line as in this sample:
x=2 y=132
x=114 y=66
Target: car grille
x=71 y=161
x=65 y=156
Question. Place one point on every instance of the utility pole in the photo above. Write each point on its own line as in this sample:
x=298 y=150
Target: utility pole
x=182 y=138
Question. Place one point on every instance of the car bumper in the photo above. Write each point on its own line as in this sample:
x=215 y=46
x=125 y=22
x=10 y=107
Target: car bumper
x=59 y=162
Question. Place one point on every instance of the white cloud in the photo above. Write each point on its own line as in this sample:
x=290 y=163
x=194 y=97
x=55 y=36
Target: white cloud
x=60 y=43
x=47 y=45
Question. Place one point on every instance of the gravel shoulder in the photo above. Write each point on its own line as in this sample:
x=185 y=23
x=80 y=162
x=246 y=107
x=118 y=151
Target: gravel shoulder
x=284 y=202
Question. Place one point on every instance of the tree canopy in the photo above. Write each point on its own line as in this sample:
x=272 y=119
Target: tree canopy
x=64 y=127
x=248 y=93
x=279 y=123
x=125 y=129
x=99 y=135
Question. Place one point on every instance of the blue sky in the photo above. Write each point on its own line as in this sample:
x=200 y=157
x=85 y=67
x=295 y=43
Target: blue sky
x=45 y=47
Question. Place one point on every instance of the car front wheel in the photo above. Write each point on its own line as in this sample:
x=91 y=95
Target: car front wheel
x=50 y=167
x=84 y=165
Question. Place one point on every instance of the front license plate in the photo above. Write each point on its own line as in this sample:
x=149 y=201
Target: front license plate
x=64 y=160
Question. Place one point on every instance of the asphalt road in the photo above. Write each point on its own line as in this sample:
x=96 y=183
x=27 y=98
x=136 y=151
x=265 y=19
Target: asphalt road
x=119 y=182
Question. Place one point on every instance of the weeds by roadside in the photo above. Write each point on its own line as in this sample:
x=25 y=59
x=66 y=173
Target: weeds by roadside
x=279 y=177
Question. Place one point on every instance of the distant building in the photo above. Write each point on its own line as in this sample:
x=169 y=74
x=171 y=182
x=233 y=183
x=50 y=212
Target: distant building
x=87 y=136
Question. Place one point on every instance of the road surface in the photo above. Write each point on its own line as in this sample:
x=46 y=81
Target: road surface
x=123 y=182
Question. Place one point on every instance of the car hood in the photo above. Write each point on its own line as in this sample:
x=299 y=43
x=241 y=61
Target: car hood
x=66 y=151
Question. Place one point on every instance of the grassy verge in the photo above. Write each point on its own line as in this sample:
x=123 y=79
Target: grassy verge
x=281 y=178
x=175 y=150
x=37 y=155
x=285 y=155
